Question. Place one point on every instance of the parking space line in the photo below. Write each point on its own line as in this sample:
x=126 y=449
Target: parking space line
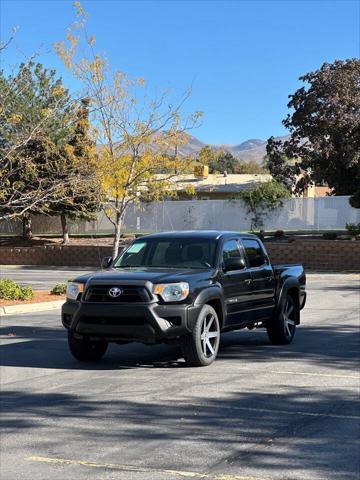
x=309 y=374
x=133 y=468
x=282 y=412
x=113 y=466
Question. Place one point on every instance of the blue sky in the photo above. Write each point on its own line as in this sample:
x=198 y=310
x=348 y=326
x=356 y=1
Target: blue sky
x=242 y=57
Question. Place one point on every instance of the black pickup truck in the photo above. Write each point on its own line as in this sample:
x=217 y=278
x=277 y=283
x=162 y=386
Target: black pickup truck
x=186 y=288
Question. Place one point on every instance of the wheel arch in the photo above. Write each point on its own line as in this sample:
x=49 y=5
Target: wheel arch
x=290 y=287
x=214 y=298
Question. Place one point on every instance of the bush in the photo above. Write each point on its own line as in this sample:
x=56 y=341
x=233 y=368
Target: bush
x=354 y=200
x=59 y=289
x=330 y=236
x=261 y=200
x=353 y=228
x=279 y=234
x=10 y=290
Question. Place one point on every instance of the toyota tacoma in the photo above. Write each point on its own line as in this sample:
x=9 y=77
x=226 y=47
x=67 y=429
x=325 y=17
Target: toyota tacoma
x=186 y=288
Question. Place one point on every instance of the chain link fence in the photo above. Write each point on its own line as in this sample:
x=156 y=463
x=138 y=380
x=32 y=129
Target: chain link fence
x=303 y=214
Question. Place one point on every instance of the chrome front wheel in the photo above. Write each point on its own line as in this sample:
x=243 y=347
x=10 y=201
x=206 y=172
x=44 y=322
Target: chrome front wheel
x=200 y=347
x=210 y=335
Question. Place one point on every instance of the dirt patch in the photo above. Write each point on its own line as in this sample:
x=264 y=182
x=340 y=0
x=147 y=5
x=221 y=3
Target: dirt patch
x=39 y=296
x=12 y=241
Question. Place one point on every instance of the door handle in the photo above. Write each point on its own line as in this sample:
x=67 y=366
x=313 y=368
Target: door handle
x=248 y=281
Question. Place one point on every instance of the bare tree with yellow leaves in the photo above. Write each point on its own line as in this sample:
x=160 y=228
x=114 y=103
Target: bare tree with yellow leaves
x=138 y=137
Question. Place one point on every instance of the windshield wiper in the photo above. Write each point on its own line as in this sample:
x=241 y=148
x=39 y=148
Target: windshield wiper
x=128 y=266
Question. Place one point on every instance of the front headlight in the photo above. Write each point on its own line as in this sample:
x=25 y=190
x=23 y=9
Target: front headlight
x=172 y=292
x=73 y=289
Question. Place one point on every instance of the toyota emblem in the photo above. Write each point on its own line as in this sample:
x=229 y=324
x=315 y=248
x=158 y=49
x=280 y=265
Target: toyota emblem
x=115 y=292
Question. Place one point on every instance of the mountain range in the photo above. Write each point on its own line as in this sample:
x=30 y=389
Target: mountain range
x=253 y=149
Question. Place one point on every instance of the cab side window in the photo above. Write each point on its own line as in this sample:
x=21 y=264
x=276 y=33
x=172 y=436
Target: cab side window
x=231 y=250
x=254 y=253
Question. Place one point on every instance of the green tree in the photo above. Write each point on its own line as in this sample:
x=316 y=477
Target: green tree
x=249 y=168
x=82 y=199
x=220 y=161
x=35 y=112
x=263 y=199
x=206 y=155
x=325 y=126
x=224 y=162
x=285 y=171
x=354 y=200
x=42 y=166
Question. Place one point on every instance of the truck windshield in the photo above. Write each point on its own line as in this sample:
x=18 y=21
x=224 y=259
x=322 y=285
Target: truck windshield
x=169 y=253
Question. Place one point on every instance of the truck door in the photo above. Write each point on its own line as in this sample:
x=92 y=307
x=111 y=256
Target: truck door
x=262 y=276
x=236 y=285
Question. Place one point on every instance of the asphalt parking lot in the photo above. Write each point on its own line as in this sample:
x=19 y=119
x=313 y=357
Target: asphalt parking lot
x=41 y=278
x=260 y=412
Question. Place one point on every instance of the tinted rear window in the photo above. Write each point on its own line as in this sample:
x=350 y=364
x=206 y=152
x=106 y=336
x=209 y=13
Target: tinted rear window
x=254 y=253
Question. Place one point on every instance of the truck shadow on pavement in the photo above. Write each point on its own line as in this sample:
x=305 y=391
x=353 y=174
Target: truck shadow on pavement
x=42 y=347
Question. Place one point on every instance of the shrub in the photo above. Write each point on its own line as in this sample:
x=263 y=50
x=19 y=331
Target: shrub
x=330 y=236
x=353 y=228
x=10 y=290
x=354 y=200
x=279 y=234
x=59 y=289
x=261 y=200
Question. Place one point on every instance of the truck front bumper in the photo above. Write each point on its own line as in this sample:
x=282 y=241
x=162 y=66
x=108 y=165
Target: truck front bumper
x=144 y=322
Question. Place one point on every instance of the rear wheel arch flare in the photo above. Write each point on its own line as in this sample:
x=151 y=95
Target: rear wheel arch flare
x=289 y=285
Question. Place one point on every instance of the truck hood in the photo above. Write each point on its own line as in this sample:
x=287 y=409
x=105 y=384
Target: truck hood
x=153 y=275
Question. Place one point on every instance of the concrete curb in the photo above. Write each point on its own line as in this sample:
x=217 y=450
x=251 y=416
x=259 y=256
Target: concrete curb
x=31 y=307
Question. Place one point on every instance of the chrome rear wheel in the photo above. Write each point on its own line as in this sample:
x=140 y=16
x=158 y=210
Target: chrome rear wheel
x=281 y=328
x=289 y=318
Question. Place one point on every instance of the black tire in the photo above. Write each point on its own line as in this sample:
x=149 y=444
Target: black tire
x=86 y=350
x=281 y=329
x=200 y=347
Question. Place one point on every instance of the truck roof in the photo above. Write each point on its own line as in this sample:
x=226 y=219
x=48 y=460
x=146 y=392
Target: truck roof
x=211 y=234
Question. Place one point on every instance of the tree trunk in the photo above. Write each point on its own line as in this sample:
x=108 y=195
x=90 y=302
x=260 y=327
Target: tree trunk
x=64 y=226
x=27 y=227
x=115 y=250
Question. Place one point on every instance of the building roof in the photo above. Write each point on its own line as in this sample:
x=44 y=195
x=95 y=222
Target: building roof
x=218 y=182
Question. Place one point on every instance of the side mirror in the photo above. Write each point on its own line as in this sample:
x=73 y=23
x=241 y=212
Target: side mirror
x=235 y=263
x=106 y=262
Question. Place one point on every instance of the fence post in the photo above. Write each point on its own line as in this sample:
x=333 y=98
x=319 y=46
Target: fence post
x=317 y=214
